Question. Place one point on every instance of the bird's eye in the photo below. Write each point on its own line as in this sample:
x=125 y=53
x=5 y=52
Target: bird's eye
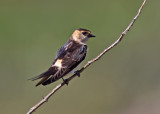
x=84 y=33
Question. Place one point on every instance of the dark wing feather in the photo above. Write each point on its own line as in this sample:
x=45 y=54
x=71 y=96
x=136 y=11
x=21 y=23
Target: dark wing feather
x=49 y=72
x=74 y=55
x=45 y=75
x=52 y=70
x=62 y=51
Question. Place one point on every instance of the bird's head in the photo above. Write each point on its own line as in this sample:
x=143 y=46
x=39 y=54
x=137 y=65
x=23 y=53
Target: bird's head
x=81 y=35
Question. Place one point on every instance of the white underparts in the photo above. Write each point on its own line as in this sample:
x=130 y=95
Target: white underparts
x=58 y=63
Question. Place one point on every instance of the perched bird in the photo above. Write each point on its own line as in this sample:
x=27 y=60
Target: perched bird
x=68 y=57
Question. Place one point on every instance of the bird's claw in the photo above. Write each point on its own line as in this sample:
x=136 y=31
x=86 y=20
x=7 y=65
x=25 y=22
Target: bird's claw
x=77 y=73
x=65 y=81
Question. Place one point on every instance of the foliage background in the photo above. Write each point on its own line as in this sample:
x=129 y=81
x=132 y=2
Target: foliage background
x=125 y=81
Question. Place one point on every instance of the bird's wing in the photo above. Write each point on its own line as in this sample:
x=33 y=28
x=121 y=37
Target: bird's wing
x=68 y=57
x=63 y=50
x=73 y=57
x=53 y=69
x=45 y=75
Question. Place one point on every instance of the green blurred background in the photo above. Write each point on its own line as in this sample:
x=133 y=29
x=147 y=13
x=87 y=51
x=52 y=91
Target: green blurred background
x=125 y=81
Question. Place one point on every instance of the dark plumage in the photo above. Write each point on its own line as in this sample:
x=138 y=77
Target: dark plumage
x=68 y=58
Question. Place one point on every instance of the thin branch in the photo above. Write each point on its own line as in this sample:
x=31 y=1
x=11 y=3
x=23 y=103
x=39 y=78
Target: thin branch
x=45 y=99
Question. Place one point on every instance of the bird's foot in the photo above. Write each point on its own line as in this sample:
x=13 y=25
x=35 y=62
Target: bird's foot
x=77 y=73
x=65 y=81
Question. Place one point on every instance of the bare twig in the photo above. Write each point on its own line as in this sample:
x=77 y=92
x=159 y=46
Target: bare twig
x=45 y=99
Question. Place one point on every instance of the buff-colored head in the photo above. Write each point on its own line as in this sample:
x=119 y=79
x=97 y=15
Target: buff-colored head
x=81 y=35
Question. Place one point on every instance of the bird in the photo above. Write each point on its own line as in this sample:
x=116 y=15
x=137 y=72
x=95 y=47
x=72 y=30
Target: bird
x=68 y=58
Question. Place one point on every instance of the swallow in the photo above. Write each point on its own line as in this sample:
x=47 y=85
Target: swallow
x=68 y=58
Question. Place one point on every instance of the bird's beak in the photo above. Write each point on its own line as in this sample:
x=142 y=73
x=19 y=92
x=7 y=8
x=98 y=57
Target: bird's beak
x=91 y=35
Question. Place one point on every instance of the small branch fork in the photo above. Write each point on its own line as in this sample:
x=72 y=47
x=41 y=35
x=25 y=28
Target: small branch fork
x=45 y=99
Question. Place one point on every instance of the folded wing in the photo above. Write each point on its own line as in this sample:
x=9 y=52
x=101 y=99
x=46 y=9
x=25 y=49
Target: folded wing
x=68 y=57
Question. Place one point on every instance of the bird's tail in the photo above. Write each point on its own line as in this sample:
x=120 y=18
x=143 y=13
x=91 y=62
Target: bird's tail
x=56 y=76
x=44 y=76
x=50 y=80
x=47 y=73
